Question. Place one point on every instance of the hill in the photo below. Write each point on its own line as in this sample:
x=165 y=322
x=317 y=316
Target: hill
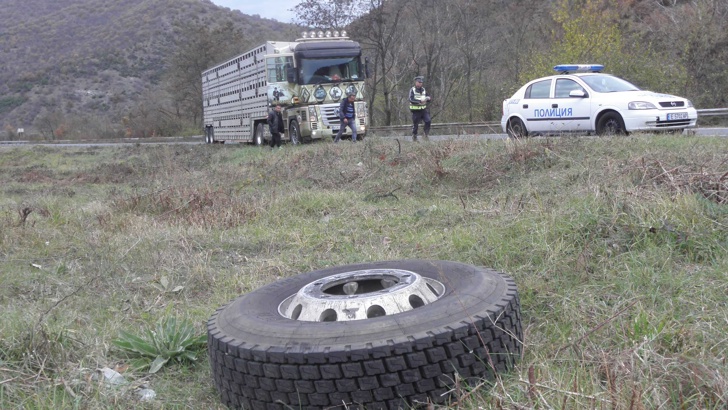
x=93 y=59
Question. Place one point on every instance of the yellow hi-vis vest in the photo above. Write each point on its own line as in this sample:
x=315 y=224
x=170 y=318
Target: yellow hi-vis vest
x=419 y=96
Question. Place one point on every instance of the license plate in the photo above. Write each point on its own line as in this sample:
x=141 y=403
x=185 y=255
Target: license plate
x=677 y=116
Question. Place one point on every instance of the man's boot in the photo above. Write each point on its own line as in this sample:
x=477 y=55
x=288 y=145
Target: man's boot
x=427 y=137
x=414 y=138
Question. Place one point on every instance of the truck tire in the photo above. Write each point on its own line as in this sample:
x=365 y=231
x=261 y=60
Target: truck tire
x=265 y=355
x=294 y=132
x=259 y=138
x=208 y=135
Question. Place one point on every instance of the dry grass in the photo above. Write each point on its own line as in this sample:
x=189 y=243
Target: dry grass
x=618 y=246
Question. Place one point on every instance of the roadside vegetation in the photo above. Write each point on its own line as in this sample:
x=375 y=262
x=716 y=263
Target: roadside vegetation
x=619 y=248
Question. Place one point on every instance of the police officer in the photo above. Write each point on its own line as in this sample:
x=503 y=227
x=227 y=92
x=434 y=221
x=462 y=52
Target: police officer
x=418 y=99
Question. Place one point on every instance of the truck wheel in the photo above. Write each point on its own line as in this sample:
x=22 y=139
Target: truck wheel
x=294 y=132
x=389 y=335
x=259 y=132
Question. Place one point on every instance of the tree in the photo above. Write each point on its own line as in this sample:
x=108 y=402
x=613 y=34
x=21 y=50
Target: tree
x=589 y=31
x=329 y=14
x=199 y=47
x=51 y=124
x=380 y=31
x=695 y=35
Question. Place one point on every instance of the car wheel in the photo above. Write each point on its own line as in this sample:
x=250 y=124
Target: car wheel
x=610 y=124
x=516 y=128
x=294 y=133
x=259 y=132
x=389 y=335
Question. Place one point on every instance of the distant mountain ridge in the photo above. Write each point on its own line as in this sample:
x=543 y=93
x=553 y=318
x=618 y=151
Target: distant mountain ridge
x=97 y=58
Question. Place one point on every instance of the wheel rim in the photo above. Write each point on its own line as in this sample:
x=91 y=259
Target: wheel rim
x=612 y=126
x=359 y=295
x=294 y=133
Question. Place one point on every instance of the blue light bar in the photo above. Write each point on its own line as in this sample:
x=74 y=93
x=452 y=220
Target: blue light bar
x=578 y=68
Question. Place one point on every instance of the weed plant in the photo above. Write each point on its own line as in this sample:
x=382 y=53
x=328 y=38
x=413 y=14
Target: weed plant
x=619 y=247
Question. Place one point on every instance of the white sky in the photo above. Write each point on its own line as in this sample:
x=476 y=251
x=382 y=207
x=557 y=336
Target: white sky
x=272 y=9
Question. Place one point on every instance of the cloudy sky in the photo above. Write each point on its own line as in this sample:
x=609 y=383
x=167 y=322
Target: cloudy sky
x=272 y=9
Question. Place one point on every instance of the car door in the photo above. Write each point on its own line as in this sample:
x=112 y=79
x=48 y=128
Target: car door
x=570 y=108
x=533 y=106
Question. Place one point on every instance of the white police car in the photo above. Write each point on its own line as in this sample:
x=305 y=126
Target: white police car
x=581 y=99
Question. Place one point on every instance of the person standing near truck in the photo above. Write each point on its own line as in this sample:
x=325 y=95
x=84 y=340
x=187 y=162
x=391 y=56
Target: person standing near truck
x=275 y=123
x=347 y=117
x=418 y=99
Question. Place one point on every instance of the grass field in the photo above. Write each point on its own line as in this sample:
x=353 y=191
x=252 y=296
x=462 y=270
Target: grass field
x=619 y=248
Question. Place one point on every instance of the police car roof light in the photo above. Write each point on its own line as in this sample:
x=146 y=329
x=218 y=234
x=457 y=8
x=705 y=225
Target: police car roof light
x=578 y=68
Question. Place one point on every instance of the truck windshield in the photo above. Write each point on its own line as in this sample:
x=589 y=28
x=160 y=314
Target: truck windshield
x=332 y=69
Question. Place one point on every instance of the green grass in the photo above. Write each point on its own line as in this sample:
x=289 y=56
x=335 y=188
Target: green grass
x=619 y=248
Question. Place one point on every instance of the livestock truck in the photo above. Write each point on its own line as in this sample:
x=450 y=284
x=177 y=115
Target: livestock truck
x=307 y=77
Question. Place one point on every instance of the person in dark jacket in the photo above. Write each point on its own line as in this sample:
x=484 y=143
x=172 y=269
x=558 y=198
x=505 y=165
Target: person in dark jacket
x=275 y=123
x=418 y=99
x=347 y=117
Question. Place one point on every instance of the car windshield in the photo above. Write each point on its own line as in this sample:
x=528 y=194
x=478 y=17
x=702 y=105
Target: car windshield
x=324 y=70
x=602 y=83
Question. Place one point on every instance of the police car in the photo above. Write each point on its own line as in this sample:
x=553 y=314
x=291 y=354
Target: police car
x=581 y=99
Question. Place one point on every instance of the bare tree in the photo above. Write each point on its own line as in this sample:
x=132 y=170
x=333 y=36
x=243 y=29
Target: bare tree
x=329 y=14
x=432 y=52
x=199 y=48
x=51 y=124
x=380 y=31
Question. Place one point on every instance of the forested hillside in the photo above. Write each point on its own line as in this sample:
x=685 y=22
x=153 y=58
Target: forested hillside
x=90 y=68
x=81 y=67
x=475 y=53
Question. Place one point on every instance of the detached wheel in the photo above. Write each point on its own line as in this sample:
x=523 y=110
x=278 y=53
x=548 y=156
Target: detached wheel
x=516 y=129
x=294 y=131
x=383 y=335
x=611 y=123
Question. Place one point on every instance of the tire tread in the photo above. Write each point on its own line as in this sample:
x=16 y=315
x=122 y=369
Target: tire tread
x=390 y=375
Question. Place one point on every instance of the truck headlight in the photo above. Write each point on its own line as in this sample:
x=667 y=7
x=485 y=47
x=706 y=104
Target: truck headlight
x=312 y=113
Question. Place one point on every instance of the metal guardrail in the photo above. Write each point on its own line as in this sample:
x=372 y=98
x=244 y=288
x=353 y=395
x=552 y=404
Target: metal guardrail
x=492 y=127
x=712 y=112
x=458 y=128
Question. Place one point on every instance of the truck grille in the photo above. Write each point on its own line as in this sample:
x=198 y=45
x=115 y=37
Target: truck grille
x=329 y=115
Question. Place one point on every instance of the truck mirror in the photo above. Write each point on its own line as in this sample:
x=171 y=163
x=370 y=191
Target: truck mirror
x=367 y=74
x=291 y=75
